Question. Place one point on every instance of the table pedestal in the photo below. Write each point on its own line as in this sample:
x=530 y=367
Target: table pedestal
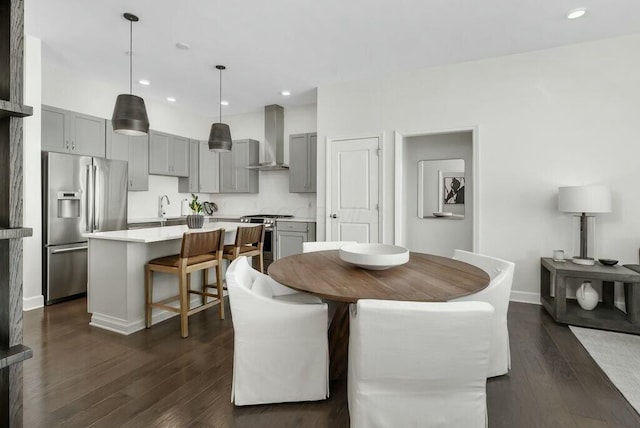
x=339 y=341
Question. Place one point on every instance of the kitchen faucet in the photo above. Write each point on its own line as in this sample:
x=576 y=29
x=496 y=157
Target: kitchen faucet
x=162 y=212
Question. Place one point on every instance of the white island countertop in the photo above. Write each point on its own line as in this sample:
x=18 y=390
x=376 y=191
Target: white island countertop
x=158 y=234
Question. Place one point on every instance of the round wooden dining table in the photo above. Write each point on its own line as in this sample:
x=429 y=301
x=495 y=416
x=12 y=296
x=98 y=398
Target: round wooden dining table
x=425 y=278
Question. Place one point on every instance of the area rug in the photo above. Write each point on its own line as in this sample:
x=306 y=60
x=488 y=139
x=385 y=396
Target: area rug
x=618 y=355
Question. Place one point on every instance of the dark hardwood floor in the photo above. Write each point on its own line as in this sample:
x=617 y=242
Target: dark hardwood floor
x=82 y=376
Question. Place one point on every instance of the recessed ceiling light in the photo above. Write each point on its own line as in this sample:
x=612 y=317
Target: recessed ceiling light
x=171 y=99
x=576 y=13
x=183 y=46
x=224 y=103
x=144 y=82
x=286 y=93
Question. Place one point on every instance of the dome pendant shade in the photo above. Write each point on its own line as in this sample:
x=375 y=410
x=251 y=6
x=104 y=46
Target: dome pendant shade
x=220 y=138
x=130 y=116
x=220 y=135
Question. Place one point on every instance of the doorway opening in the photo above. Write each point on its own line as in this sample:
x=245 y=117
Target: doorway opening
x=436 y=191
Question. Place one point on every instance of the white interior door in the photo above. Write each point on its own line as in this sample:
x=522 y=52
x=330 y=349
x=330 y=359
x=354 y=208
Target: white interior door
x=354 y=204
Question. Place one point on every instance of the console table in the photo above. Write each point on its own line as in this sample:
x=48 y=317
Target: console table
x=605 y=316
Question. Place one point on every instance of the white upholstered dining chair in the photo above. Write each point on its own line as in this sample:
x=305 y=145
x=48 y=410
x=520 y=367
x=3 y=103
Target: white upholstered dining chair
x=497 y=294
x=281 y=349
x=416 y=364
x=310 y=247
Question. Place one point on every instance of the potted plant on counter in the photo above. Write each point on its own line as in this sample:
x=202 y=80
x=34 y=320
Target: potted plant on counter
x=196 y=219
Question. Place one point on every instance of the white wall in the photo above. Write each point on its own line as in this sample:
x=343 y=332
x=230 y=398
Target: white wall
x=32 y=247
x=51 y=85
x=563 y=116
x=434 y=235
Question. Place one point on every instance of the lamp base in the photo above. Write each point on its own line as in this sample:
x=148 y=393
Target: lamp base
x=585 y=262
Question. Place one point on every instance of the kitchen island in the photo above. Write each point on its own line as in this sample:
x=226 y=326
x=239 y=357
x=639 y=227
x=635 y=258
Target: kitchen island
x=116 y=261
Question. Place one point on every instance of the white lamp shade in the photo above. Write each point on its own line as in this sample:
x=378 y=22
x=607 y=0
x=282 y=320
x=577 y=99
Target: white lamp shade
x=584 y=199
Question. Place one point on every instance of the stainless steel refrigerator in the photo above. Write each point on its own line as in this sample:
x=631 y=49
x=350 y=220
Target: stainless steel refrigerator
x=80 y=194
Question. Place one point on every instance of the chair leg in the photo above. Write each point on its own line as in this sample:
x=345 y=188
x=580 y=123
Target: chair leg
x=220 y=292
x=184 y=305
x=148 y=291
x=205 y=282
x=261 y=262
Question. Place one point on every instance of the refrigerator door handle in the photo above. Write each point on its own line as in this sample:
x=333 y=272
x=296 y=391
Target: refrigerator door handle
x=88 y=200
x=96 y=201
x=66 y=250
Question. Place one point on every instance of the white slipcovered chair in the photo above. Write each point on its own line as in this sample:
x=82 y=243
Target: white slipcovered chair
x=310 y=247
x=497 y=294
x=281 y=349
x=415 y=364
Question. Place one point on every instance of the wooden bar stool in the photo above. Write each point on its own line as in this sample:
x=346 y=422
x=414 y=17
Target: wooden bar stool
x=200 y=251
x=249 y=243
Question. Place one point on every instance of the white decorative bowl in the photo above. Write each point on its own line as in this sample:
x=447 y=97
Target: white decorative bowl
x=374 y=256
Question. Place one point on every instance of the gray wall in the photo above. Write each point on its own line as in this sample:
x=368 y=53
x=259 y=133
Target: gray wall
x=437 y=235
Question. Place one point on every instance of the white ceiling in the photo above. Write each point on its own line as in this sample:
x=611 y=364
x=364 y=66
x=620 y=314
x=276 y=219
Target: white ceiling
x=299 y=45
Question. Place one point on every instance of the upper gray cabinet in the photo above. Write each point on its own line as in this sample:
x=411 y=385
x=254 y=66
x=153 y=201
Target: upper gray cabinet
x=302 y=163
x=134 y=150
x=70 y=132
x=190 y=184
x=234 y=175
x=168 y=154
x=208 y=170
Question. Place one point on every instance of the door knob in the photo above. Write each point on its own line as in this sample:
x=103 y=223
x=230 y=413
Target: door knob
x=334 y=216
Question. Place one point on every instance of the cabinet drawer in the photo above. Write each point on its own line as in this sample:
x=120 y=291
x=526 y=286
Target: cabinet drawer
x=293 y=226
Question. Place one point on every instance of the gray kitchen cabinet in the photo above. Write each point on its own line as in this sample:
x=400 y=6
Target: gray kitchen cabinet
x=66 y=131
x=134 y=150
x=168 y=154
x=208 y=170
x=302 y=163
x=190 y=184
x=291 y=234
x=234 y=175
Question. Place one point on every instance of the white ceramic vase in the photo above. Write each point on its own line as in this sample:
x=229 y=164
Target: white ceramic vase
x=587 y=296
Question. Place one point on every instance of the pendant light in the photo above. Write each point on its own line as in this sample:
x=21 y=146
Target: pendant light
x=130 y=114
x=220 y=135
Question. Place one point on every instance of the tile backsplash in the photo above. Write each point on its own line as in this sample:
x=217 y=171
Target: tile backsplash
x=273 y=198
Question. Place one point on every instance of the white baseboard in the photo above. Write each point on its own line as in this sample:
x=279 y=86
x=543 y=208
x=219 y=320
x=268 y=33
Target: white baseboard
x=525 y=297
x=31 y=303
x=120 y=326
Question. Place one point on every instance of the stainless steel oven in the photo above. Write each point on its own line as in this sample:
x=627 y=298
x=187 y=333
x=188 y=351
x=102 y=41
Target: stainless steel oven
x=270 y=243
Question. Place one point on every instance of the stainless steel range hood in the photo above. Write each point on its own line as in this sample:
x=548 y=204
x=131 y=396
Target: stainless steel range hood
x=273 y=140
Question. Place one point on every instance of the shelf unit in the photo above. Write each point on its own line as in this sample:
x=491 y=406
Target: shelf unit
x=606 y=316
x=12 y=352
x=9 y=109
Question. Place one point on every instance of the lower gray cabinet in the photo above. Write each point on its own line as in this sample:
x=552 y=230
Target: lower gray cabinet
x=302 y=163
x=291 y=234
x=234 y=175
x=134 y=150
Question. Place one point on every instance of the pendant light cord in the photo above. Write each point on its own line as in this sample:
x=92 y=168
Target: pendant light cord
x=131 y=57
x=220 y=96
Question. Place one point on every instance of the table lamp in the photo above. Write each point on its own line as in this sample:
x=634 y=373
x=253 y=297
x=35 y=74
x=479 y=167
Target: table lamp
x=583 y=200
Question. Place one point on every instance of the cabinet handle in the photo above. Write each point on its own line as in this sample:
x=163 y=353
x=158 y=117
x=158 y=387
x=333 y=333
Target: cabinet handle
x=73 y=145
x=67 y=144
